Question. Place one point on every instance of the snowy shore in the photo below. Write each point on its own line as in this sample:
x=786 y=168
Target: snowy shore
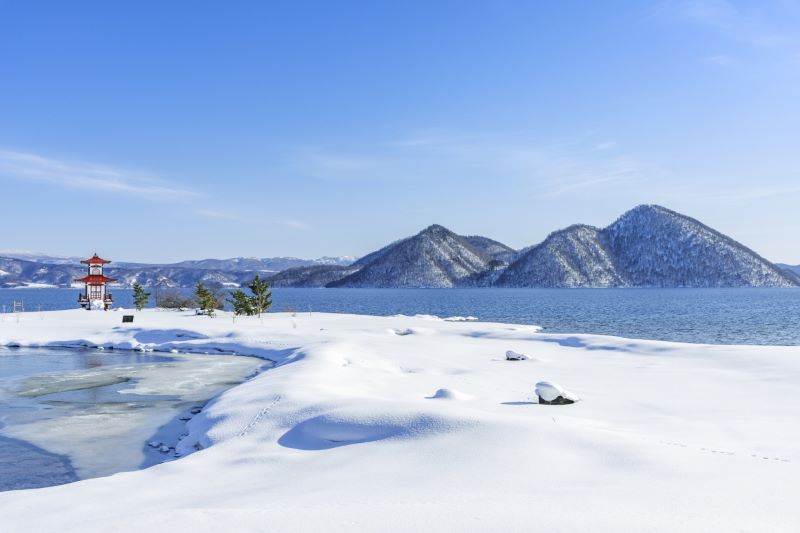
x=419 y=424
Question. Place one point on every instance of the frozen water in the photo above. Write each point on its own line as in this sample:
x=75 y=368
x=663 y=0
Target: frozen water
x=82 y=413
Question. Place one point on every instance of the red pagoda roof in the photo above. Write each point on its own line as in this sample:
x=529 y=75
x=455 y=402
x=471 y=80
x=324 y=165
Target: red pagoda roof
x=95 y=279
x=94 y=260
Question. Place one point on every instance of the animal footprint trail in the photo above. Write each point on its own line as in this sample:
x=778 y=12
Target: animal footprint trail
x=725 y=452
x=261 y=414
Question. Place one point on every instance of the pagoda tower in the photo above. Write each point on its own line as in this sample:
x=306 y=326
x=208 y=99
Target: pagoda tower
x=95 y=296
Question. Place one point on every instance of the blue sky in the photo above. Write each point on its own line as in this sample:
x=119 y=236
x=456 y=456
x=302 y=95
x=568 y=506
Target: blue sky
x=160 y=131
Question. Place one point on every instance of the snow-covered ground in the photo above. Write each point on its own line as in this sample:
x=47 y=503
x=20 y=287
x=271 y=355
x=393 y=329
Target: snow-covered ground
x=418 y=424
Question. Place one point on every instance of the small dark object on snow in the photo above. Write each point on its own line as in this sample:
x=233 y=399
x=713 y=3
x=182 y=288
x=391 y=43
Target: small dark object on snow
x=554 y=394
x=560 y=400
x=127 y=318
x=515 y=356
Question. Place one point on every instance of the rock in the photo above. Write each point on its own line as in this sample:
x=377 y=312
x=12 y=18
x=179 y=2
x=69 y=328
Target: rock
x=515 y=356
x=554 y=394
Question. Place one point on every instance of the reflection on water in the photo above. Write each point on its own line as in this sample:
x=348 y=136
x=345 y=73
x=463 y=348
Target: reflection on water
x=69 y=414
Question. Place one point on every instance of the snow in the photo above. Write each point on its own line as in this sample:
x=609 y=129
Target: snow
x=511 y=355
x=550 y=391
x=357 y=428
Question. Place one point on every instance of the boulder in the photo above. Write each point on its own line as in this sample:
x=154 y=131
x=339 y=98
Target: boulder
x=554 y=394
x=515 y=356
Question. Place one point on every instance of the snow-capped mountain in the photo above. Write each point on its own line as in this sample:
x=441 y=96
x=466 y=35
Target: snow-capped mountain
x=435 y=257
x=28 y=269
x=492 y=248
x=311 y=276
x=794 y=270
x=649 y=246
x=243 y=264
x=577 y=256
x=655 y=246
x=21 y=273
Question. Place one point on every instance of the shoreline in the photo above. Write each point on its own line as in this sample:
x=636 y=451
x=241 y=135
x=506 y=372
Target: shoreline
x=713 y=316
x=363 y=421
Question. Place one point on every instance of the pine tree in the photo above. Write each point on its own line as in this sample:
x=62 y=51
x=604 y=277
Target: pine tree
x=262 y=296
x=206 y=301
x=140 y=298
x=241 y=303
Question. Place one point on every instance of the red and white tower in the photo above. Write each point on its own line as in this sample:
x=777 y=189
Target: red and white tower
x=95 y=296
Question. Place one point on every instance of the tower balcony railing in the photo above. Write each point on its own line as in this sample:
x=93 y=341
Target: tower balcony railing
x=82 y=299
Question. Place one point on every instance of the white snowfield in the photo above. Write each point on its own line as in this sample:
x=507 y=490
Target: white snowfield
x=360 y=428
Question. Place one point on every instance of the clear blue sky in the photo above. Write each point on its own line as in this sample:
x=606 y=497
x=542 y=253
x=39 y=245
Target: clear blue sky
x=159 y=131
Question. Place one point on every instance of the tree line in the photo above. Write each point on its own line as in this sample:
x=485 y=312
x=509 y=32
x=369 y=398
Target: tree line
x=208 y=301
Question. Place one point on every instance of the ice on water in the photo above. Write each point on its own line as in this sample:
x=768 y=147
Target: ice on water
x=100 y=418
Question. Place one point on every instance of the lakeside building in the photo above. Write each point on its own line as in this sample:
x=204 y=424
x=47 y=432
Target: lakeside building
x=95 y=295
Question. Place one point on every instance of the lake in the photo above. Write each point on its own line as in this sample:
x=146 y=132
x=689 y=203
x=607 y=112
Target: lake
x=718 y=316
x=77 y=414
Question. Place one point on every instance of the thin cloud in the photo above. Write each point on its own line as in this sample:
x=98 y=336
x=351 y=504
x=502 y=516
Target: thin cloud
x=219 y=215
x=756 y=26
x=27 y=166
x=550 y=168
x=758 y=193
x=293 y=224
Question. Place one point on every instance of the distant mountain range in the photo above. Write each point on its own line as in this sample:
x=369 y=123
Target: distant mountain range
x=649 y=246
x=25 y=269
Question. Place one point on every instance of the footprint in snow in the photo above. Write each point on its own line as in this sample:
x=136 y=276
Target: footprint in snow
x=725 y=452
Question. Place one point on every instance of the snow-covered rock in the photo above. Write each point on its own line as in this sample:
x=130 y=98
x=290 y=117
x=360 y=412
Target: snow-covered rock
x=554 y=394
x=511 y=355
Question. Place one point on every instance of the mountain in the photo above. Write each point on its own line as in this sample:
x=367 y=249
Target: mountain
x=649 y=246
x=37 y=257
x=36 y=270
x=311 y=276
x=22 y=272
x=659 y=247
x=794 y=270
x=494 y=249
x=577 y=256
x=244 y=264
x=435 y=257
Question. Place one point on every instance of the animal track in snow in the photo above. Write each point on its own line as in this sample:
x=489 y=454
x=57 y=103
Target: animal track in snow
x=261 y=414
x=724 y=452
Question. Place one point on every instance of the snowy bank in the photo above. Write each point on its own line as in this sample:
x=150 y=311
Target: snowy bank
x=411 y=424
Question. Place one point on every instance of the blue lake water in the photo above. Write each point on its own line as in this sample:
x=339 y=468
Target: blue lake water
x=719 y=316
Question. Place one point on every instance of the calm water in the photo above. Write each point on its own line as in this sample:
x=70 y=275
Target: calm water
x=737 y=316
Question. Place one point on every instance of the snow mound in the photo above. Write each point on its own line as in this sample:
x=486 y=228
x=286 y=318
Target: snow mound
x=402 y=332
x=336 y=429
x=460 y=319
x=440 y=319
x=550 y=392
x=449 y=394
x=511 y=355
